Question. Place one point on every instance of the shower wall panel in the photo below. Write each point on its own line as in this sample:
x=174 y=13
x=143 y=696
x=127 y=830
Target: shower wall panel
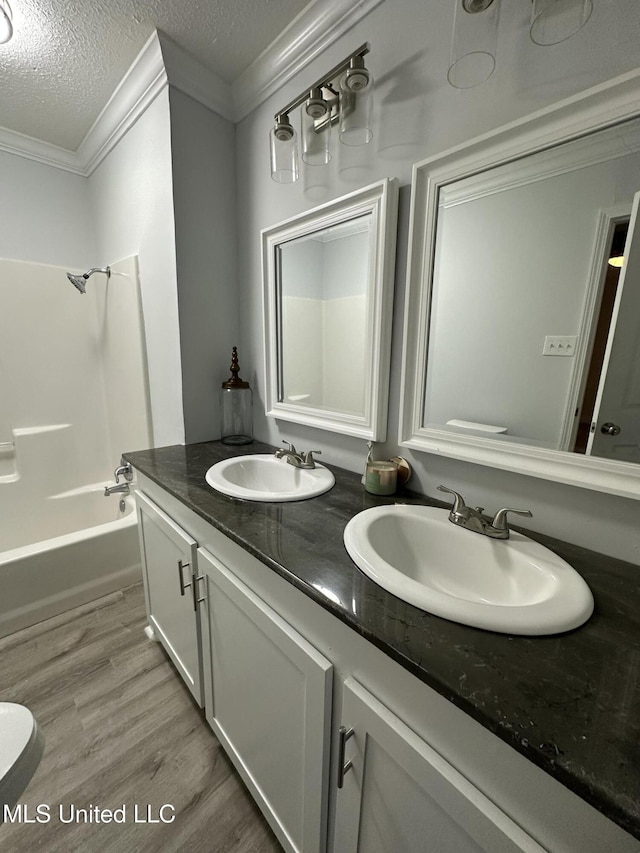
x=51 y=369
x=73 y=379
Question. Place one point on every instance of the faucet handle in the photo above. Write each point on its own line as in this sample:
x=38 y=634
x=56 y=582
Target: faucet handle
x=500 y=518
x=307 y=457
x=290 y=449
x=125 y=469
x=458 y=503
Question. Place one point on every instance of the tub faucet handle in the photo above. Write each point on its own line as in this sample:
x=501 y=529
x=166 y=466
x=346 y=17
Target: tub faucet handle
x=126 y=470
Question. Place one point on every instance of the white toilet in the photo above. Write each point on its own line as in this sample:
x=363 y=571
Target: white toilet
x=21 y=748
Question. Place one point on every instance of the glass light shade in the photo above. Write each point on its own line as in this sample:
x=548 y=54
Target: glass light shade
x=474 y=42
x=315 y=142
x=284 y=155
x=6 y=26
x=554 y=21
x=356 y=107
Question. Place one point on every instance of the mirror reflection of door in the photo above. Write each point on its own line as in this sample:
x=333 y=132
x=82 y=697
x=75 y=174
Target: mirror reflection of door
x=615 y=423
x=612 y=264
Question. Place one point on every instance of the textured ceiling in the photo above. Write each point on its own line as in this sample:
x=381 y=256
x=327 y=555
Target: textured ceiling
x=67 y=56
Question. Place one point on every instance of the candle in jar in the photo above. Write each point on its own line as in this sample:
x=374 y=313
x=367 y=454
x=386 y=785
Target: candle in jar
x=381 y=478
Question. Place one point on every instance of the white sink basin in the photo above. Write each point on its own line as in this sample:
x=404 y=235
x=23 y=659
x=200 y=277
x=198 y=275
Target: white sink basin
x=262 y=477
x=514 y=586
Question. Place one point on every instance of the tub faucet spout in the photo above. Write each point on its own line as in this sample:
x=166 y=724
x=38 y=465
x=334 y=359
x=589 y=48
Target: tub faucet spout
x=119 y=487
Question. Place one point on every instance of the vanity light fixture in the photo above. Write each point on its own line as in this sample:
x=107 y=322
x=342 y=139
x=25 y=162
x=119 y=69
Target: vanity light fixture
x=473 y=43
x=555 y=21
x=284 y=151
x=6 y=21
x=475 y=34
x=343 y=97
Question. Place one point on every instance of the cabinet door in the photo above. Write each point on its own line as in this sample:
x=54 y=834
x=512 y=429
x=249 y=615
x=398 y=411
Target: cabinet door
x=169 y=566
x=401 y=796
x=268 y=699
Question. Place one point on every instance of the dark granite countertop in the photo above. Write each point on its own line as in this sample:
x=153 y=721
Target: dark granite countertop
x=570 y=703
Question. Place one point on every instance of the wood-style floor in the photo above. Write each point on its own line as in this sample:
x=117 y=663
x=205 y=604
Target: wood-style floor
x=120 y=730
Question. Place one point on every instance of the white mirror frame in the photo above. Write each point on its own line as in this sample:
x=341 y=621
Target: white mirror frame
x=381 y=201
x=603 y=106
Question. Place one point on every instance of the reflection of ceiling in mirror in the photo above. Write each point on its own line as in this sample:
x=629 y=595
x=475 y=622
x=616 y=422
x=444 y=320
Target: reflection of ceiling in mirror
x=344 y=229
x=604 y=146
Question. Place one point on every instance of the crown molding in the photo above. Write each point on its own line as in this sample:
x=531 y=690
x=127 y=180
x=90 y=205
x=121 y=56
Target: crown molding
x=162 y=62
x=602 y=147
x=135 y=92
x=191 y=77
x=317 y=27
x=41 y=152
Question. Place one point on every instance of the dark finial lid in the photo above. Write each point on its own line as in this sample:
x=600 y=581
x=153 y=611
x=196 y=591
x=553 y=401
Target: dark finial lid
x=234 y=380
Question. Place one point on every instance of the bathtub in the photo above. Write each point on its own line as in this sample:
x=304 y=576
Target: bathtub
x=91 y=549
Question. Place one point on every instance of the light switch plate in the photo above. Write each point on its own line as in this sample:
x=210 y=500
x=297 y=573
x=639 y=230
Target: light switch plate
x=563 y=345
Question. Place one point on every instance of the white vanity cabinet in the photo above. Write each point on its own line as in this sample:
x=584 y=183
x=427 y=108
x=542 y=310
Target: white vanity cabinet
x=282 y=677
x=268 y=699
x=397 y=793
x=168 y=556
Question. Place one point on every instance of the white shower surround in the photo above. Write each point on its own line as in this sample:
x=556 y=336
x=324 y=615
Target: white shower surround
x=74 y=396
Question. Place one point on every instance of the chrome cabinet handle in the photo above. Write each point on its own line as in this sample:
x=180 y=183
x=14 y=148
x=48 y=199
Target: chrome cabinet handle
x=194 y=590
x=344 y=734
x=183 y=585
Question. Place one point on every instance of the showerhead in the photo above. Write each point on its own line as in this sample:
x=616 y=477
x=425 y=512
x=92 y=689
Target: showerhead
x=80 y=281
x=77 y=281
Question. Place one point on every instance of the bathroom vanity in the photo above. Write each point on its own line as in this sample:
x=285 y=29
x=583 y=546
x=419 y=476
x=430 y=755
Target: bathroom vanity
x=359 y=722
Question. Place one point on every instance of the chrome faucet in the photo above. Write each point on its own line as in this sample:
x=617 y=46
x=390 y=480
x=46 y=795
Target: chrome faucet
x=125 y=470
x=120 y=487
x=472 y=518
x=298 y=460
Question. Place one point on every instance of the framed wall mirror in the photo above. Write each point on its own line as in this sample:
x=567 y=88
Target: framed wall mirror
x=521 y=339
x=328 y=298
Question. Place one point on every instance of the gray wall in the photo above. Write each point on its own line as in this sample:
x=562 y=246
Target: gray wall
x=46 y=214
x=203 y=162
x=418 y=114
